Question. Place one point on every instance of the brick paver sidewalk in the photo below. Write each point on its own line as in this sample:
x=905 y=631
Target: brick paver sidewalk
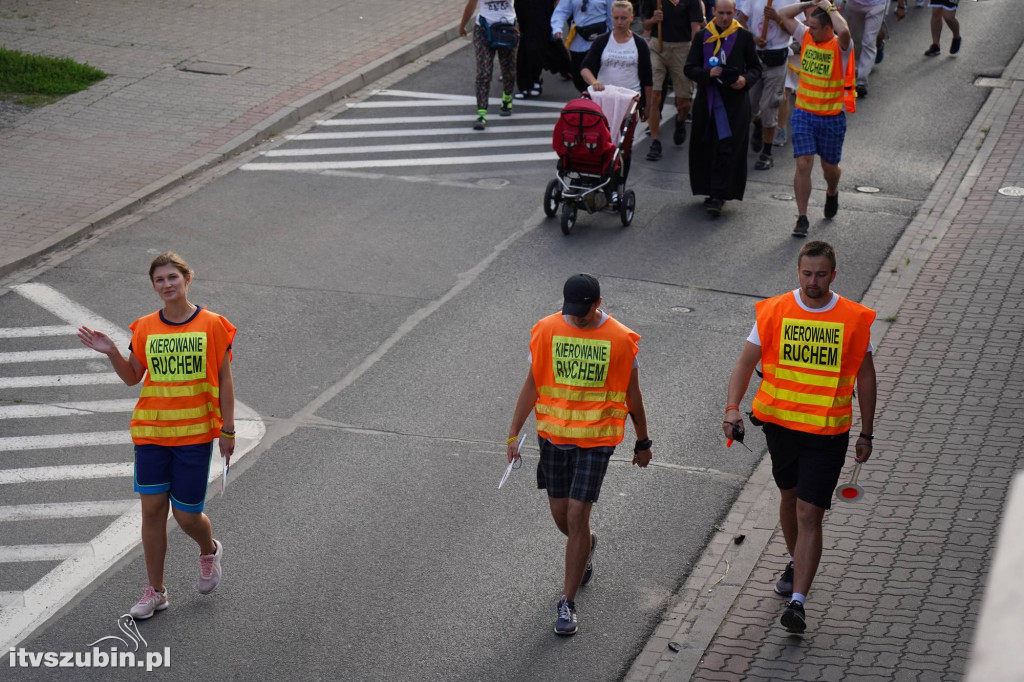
x=89 y=157
x=900 y=585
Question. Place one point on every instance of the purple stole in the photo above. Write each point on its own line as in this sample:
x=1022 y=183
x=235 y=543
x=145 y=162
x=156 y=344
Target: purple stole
x=716 y=107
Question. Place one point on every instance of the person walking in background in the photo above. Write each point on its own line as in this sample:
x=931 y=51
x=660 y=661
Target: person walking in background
x=182 y=354
x=583 y=381
x=495 y=31
x=723 y=62
x=591 y=18
x=679 y=20
x=944 y=11
x=865 y=20
x=814 y=346
x=537 y=50
x=762 y=20
x=824 y=93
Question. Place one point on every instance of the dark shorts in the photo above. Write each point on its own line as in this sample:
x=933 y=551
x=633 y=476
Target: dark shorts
x=577 y=472
x=181 y=470
x=944 y=4
x=806 y=461
x=822 y=135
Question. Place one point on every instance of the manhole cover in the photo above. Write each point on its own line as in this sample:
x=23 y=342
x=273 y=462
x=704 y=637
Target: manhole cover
x=681 y=309
x=783 y=197
x=492 y=183
x=989 y=82
x=1012 y=191
x=867 y=189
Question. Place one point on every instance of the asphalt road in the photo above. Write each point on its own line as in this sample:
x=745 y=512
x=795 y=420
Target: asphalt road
x=384 y=315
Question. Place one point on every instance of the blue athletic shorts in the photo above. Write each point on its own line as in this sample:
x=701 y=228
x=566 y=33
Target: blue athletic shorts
x=574 y=472
x=821 y=135
x=181 y=470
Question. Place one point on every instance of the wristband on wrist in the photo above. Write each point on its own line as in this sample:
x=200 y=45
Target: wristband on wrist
x=513 y=439
x=732 y=407
x=230 y=435
x=644 y=444
x=866 y=436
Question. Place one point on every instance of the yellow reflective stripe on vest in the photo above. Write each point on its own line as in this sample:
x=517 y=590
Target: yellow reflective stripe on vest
x=802 y=417
x=805 y=398
x=581 y=415
x=173 y=431
x=175 y=415
x=806 y=106
x=819 y=82
x=806 y=378
x=580 y=431
x=180 y=391
x=591 y=396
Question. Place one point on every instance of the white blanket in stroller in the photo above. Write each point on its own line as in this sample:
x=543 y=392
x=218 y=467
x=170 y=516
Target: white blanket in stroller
x=614 y=102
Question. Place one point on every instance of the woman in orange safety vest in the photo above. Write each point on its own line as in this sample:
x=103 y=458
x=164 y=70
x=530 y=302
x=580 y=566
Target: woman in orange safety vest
x=182 y=354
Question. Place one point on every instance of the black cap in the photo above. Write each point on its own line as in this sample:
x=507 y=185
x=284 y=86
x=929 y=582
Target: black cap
x=580 y=293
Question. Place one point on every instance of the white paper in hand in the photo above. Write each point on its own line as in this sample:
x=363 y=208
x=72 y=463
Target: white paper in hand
x=512 y=464
x=224 y=477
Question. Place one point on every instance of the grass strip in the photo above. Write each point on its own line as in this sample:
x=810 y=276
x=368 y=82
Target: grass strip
x=34 y=80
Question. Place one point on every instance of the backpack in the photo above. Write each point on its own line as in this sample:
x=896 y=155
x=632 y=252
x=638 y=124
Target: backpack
x=582 y=138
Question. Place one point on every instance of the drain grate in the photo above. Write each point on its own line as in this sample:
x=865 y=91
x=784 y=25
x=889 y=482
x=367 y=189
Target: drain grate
x=210 y=68
x=1012 y=191
x=990 y=82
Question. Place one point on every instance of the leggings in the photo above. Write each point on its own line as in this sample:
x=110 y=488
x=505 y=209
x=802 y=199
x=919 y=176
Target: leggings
x=485 y=67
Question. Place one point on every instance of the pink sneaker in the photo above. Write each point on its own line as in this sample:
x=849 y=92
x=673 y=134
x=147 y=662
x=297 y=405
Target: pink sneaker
x=151 y=602
x=209 y=569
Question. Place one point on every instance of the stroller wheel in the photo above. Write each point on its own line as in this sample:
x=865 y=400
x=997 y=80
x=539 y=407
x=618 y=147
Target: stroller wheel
x=552 y=198
x=627 y=207
x=568 y=217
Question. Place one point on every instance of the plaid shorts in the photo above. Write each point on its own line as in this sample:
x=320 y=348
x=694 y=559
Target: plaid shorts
x=574 y=472
x=822 y=135
x=944 y=4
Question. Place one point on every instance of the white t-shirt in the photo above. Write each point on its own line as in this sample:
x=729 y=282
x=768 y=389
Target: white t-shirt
x=755 y=337
x=620 y=64
x=495 y=11
x=754 y=11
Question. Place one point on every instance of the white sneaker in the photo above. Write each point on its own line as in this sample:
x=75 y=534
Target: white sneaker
x=209 y=569
x=151 y=602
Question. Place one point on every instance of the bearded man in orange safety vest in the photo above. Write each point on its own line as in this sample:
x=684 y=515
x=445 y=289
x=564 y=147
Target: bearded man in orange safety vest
x=582 y=383
x=813 y=346
x=826 y=90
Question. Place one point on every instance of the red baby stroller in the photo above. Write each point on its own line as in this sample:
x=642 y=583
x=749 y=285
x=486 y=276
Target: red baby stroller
x=589 y=164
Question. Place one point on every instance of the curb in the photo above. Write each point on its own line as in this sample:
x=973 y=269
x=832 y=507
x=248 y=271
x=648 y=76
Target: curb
x=271 y=125
x=704 y=602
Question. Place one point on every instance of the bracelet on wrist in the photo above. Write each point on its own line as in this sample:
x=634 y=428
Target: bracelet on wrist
x=230 y=435
x=511 y=440
x=864 y=435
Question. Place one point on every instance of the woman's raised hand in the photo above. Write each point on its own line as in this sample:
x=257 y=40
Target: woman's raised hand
x=98 y=341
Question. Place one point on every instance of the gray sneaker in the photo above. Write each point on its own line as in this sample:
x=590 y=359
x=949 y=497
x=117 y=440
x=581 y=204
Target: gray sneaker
x=151 y=602
x=209 y=569
x=785 y=584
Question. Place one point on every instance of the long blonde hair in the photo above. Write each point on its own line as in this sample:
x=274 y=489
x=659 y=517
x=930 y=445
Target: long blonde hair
x=171 y=258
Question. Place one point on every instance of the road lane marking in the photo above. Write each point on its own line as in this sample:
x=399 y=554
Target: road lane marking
x=71 y=409
x=28 y=332
x=10 y=598
x=424 y=132
x=68 y=472
x=459 y=118
x=419 y=147
x=66 y=510
x=451 y=102
x=401 y=163
x=60 y=380
x=74 y=314
x=47 y=355
x=65 y=440
x=21 y=553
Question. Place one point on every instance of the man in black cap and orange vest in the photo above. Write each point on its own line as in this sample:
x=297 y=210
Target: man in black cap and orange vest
x=582 y=383
x=813 y=346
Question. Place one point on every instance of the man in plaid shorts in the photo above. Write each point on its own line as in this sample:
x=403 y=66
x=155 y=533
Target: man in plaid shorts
x=582 y=383
x=825 y=90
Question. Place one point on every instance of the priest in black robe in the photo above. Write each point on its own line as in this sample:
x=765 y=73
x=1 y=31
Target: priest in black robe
x=723 y=62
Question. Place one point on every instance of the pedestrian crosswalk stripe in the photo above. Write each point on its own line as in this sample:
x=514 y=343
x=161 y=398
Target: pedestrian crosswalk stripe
x=10 y=598
x=29 y=332
x=23 y=553
x=64 y=308
x=66 y=510
x=465 y=101
x=424 y=132
x=460 y=118
x=398 y=163
x=68 y=472
x=44 y=380
x=65 y=440
x=418 y=147
x=84 y=407
x=48 y=355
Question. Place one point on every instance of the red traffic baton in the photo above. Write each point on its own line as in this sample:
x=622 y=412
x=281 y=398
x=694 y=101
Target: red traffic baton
x=851 y=492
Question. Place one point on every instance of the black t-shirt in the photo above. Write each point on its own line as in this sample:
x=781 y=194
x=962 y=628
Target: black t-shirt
x=675 y=27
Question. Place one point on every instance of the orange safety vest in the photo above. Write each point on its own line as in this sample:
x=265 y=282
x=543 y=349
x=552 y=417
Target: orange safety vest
x=822 y=89
x=180 y=399
x=582 y=376
x=810 y=363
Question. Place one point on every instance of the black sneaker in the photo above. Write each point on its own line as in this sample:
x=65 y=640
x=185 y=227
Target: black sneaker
x=933 y=51
x=589 y=573
x=831 y=204
x=862 y=91
x=757 y=139
x=566 y=623
x=506 y=105
x=785 y=584
x=679 y=136
x=481 y=122
x=765 y=162
x=654 y=153
x=954 y=46
x=793 y=618
x=714 y=207
x=802 y=225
